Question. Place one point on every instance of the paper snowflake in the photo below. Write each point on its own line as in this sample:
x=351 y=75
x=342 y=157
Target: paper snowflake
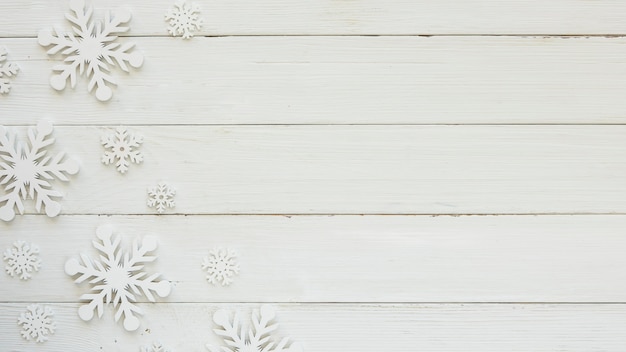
x=26 y=169
x=6 y=70
x=156 y=347
x=122 y=146
x=92 y=47
x=257 y=338
x=37 y=323
x=183 y=19
x=221 y=265
x=117 y=277
x=22 y=260
x=161 y=197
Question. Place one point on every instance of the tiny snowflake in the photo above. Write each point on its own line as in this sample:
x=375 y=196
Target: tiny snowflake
x=37 y=323
x=258 y=338
x=8 y=70
x=92 y=46
x=25 y=171
x=156 y=347
x=183 y=19
x=118 y=277
x=22 y=260
x=123 y=147
x=161 y=197
x=221 y=265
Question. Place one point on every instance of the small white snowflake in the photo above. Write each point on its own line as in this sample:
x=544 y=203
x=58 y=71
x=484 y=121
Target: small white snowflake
x=37 y=323
x=6 y=70
x=22 y=260
x=161 y=197
x=183 y=19
x=92 y=46
x=117 y=276
x=123 y=147
x=156 y=347
x=221 y=265
x=257 y=338
x=25 y=171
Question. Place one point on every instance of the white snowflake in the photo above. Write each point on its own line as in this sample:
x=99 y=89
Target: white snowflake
x=22 y=260
x=183 y=19
x=117 y=277
x=221 y=265
x=6 y=70
x=123 y=147
x=156 y=347
x=258 y=338
x=25 y=167
x=92 y=45
x=161 y=197
x=37 y=323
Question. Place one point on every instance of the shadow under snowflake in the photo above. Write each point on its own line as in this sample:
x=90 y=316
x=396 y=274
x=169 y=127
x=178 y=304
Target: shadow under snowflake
x=221 y=266
x=22 y=259
x=37 y=323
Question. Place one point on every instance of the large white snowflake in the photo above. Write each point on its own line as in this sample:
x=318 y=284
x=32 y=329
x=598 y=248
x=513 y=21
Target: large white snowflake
x=26 y=168
x=122 y=146
x=155 y=347
x=37 y=323
x=6 y=71
x=93 y=46
x=256 y=338
x=117 y=277
x=22 y=260
x=221 y=266
x=183 y=19
x=161 y=197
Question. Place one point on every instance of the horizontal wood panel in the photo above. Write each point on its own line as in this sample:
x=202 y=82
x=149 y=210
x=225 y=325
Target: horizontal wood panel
x=330 y=17
x=339 y=80
x=349 y=258
x=338 y=327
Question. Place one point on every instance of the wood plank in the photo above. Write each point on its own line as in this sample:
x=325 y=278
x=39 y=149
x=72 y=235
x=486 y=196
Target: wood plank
x=331 y=17
x=348 y=328
x=349 y=258
x=340 y=80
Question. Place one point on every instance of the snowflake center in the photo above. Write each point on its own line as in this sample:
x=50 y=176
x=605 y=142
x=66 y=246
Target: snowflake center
x=248 y=347
x=221 y=266
x=25 y=170
x=90 y=49
x=21 y=260
x=117 y=277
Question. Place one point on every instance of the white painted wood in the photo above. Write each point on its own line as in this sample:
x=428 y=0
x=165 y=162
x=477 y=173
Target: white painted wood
x=349 y=258
x=339 y=80
x=351 y=328
x=331 y=17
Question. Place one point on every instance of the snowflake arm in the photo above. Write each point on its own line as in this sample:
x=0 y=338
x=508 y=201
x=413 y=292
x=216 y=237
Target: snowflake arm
x=8 y=70
x=37 y=323
x=22 y=260
x=155 y=347
x=122 y=146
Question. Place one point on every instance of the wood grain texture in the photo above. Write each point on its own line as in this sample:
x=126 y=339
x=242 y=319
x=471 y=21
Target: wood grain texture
x=339 y=80
x=334 y=17
x=349 y=258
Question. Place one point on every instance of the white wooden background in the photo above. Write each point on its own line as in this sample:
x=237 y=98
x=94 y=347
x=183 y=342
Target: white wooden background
x=397 y=175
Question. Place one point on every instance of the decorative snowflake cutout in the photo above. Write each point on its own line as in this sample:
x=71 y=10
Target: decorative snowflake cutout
x=26 y=169
x=161 y=197
x=183 y=19
x=258 y=338
x=37 y=323
x=6 y=70
x=22 y=260
x=117 y=277
x=123 y=147
x=92 y=46
x=221 y=265
x=156 y=347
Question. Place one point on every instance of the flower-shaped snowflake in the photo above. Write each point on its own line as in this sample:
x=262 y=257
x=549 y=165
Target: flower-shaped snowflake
x=25 y=171
x=122 y=146
x=92 y=47
x=161 y=197
x=221 y=266
x=118 y=277
x=22 y=260
x=6 y=70
x=37 y=323
x=156 y=347
x=183 y=19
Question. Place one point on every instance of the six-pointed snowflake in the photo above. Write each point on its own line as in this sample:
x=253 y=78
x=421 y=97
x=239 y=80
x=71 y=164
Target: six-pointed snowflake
x=6 y=70
x=92 y=47
x=161 y=197
x=156 y=347
x=122 y=146
x=26 y=169
x=183 y=19
x=221 y=265
x=257 y=338
x=117 y=277
x=22 y=260
x=37 y=323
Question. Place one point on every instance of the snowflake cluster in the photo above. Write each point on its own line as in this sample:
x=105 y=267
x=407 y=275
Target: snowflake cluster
x=22 y=260
x=37 y=323
x=122 y=146
x=183 y=19
x=6 y=70
x=221 y=266
x=161 y=197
